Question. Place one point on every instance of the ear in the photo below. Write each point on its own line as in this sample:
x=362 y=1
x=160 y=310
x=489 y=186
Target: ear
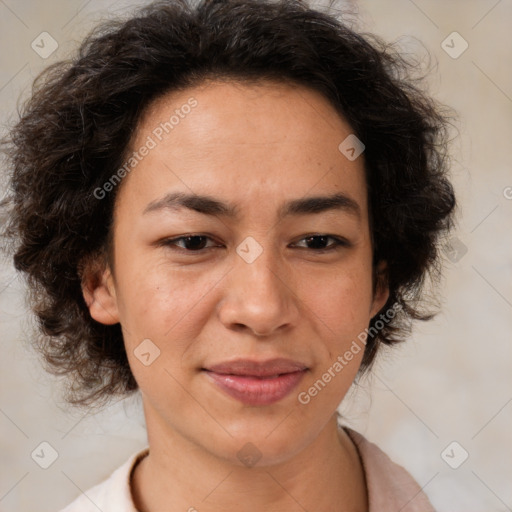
x=99 y=292
x=381 y=288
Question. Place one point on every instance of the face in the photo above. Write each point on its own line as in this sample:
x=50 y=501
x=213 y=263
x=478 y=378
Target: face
x=233 y=305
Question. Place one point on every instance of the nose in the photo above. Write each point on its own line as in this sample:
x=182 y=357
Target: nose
x=259 y=297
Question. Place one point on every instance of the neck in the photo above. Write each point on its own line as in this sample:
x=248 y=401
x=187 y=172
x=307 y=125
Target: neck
x=178 y=475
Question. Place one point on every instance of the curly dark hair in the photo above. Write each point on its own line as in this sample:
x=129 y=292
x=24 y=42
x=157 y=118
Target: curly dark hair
x=75 y=129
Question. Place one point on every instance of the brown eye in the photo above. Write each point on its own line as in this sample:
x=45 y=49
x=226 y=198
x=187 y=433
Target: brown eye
x=191 y=243
x=320 y=242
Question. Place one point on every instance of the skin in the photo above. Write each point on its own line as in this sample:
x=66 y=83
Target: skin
x=256 y=147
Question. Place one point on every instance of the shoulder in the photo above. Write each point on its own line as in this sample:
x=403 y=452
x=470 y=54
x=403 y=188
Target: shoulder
x=112 y=494
x=390 y=486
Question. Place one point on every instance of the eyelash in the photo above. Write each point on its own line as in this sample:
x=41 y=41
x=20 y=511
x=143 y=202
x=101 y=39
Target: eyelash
x=338 y=242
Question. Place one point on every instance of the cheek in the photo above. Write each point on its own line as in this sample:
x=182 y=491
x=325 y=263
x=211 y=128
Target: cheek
x=167 y=308
x=160 y=303
x=340 y=307
x=342 y=300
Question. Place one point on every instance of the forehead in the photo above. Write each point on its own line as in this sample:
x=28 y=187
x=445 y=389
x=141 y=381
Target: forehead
x=239 y=113
x=244 y=140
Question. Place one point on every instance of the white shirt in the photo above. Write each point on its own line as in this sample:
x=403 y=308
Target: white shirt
x=390 y=487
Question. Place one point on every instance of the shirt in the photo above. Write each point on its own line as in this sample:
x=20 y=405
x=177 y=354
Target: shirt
x=390 y=487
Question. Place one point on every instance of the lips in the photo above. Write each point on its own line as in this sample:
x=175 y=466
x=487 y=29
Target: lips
x=257 y=382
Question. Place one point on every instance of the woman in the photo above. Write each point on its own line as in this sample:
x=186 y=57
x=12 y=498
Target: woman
x=230 y=207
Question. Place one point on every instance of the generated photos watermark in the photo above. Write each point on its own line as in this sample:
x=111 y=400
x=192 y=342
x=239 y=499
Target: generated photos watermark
x=304 y=397
x=157 y=135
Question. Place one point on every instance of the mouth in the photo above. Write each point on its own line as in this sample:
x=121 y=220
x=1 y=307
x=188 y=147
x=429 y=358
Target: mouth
x=257 y=382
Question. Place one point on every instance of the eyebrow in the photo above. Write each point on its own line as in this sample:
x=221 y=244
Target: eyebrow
x=208 y=205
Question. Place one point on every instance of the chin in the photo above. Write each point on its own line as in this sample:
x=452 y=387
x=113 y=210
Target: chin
x=261 y=443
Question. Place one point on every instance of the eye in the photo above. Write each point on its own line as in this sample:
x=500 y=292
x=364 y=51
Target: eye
x=319 y=242
x=199 y=243
x=191 y=243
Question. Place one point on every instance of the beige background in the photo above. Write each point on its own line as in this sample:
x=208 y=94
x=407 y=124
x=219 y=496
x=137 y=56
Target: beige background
x=450 y=382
